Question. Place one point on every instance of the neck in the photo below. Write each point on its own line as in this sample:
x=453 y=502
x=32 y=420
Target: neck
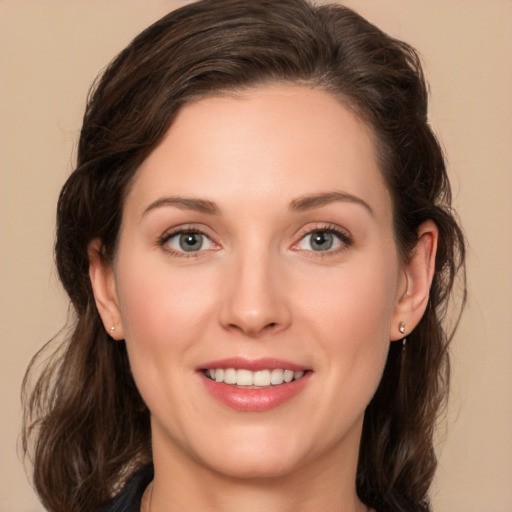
x=252 y=496
x=186 y=485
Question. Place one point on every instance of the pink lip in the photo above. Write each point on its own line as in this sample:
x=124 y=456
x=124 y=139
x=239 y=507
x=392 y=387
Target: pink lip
x=265 y=363
x=250 y=399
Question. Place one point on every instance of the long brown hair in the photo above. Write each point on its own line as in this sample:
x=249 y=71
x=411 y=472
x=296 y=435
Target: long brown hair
x=85 y=422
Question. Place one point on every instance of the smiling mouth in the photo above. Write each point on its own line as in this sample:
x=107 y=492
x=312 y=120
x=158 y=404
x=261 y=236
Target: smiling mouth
x=258 y=379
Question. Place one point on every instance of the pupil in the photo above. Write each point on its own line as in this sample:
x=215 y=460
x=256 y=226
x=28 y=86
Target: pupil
x=191 y=242
x=321 y=241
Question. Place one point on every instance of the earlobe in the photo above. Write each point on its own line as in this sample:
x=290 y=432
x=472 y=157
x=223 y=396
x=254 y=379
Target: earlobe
x=103 y=285
x=418 y=273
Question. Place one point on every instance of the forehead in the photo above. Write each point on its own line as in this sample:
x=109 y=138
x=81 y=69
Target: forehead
x=279 y=141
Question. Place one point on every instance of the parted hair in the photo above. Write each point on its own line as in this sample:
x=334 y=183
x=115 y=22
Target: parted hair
x=86 y=427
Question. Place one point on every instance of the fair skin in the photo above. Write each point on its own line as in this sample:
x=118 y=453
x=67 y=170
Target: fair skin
x=260 y=227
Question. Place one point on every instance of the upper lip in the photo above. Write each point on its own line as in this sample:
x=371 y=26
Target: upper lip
x=265 y=363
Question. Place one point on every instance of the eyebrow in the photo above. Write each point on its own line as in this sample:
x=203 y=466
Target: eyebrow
x=185 y=203
x=300 y=204
x=318 y=200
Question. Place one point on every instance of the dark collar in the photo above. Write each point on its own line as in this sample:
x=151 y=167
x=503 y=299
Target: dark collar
x=130 y=497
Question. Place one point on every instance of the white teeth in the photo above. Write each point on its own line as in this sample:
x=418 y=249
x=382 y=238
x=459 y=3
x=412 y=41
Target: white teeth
x=288 y=376
x=243 y=377
x=261 y=378
x=276 y=377
x=229 y=376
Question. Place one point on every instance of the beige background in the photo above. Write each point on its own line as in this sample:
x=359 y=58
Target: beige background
x=50 y=52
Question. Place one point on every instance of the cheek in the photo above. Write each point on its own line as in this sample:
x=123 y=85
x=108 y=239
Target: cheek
x=159 y=306
x=354 y=303
x=351 y=323
x=164 y=316
x=358 y=339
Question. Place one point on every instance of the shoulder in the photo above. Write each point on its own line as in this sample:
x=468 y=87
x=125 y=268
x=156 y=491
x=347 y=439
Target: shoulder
x=130 y=496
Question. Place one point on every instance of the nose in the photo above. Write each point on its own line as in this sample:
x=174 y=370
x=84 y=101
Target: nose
x=255 y=301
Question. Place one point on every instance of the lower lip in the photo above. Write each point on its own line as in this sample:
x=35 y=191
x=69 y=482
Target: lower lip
x=254 y=400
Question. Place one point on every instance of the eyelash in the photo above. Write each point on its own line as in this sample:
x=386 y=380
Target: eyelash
x=343 y=237
x=182 y=230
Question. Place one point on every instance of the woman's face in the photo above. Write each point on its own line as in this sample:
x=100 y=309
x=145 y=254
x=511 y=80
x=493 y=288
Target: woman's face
x=257 y=241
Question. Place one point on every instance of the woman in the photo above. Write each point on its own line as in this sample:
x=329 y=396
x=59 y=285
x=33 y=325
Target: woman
x=258 y=245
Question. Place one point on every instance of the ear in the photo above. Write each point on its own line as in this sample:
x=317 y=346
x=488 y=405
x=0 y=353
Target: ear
x=103 y=285
x=414 y=288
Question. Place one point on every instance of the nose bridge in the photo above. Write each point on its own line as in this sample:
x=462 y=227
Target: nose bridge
x=254 y=301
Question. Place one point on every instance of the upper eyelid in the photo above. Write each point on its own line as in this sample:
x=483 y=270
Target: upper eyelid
x=321 y=226
x=342 y=234
x=185 y=228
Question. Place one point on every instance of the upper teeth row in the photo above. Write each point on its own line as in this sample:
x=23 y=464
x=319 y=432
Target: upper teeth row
x=247 y=378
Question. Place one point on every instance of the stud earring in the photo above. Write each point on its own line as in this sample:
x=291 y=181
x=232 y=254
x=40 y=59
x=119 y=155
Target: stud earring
x=112 y=329
x=401 y=328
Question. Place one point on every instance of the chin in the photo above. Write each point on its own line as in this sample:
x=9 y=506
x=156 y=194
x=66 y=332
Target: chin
x=264 y=466
x=247 y=452
x=278 y=452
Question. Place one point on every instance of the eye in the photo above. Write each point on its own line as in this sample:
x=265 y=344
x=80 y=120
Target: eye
x=188 y=242
x=320 y=240
x=323 y=240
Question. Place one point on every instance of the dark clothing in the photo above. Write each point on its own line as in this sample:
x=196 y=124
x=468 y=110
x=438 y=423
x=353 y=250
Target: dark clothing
x=128 y=500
